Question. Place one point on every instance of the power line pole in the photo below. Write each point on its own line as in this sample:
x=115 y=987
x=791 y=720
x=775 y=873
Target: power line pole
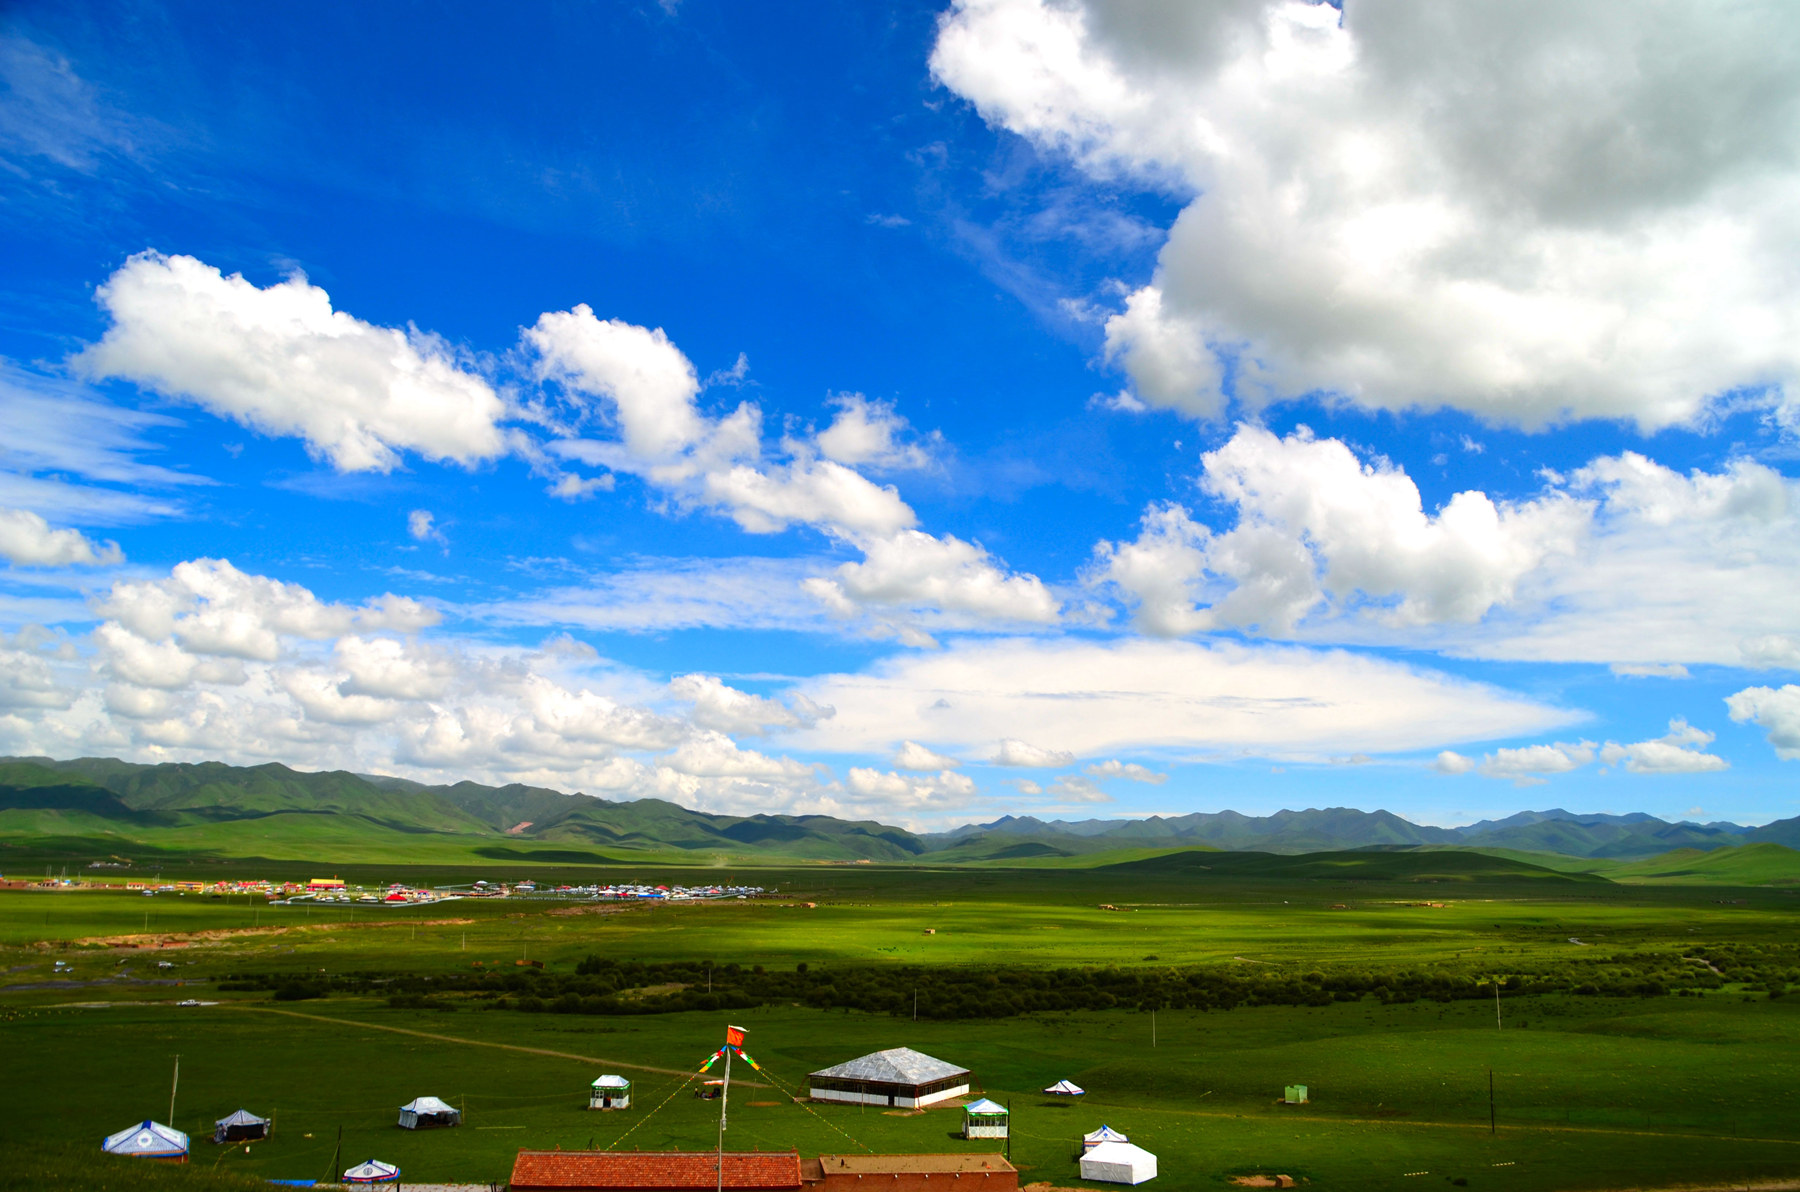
x=173 y=1085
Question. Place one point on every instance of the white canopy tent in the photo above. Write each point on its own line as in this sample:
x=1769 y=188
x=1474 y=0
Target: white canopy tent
x=610 y=1092
x=1066 y=1088
x=1118 y=1163
x=151 y=1140
x=1102 y=1135
x=426 y=1113
x=372 y=1171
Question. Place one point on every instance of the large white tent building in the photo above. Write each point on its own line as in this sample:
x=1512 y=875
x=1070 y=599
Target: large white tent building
x=1118 y=1163
x=151 y=1140
x=898 y=1077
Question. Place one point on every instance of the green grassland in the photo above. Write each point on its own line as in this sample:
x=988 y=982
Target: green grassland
x=1592 y=1091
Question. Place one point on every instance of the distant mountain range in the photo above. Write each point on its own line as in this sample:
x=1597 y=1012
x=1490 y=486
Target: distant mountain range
x=1319 y=830
x=270 y=810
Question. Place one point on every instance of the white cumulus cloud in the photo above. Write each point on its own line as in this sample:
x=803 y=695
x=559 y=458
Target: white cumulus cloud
x=1113 y=768
x=1776 y=709
x=1681 y=751
x=281 y=360
x=1315 y=522
x=1532 y=214
x=1014 y=752
x=28 y=540
x=915 y=757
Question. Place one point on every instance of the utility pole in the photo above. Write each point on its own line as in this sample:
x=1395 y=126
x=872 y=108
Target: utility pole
x=1152 y=1036
x=173 y=1085
x=1496 y=1007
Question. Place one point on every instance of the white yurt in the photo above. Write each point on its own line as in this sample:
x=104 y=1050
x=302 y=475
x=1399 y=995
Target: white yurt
x=1118 y=1163
x=1103 y=1134
x=151 y=1140
x=610 y=1092
x=985 y=1119
x=372 y=1171
x=428 y=1113
x=1066 y=1088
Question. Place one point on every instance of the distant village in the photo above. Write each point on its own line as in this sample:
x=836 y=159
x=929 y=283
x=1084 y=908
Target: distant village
x=328 y=890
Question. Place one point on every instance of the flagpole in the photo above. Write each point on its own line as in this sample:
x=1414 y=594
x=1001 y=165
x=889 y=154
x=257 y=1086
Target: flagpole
x=724 y=1097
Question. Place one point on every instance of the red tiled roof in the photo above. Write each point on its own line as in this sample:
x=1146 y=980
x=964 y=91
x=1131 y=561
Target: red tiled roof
x=653 y=1169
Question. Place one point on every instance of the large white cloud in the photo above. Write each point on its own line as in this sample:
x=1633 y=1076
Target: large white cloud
x=1776 y=709
x=281 y=360
x=1314 y=521
x=1622 y=561
x=28 y=540
x=1681 y=751
x=911 y=569
x=1531 y=212
x=211 y=608
x=1092 y=699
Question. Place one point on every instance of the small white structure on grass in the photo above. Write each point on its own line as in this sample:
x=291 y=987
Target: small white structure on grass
x=985 y=1119
x=372 y=1171
x=1118 y=1163
x=428 y=1113
x=1294 y=1094
x=1066 y=1088
x=610 y=1092
x=151 y=1140
x=1103 y=1134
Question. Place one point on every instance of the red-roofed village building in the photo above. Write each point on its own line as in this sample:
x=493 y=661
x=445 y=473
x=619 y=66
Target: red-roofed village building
x=674 y=1171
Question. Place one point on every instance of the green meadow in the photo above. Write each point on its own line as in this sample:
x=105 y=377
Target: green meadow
x=1590 y=1091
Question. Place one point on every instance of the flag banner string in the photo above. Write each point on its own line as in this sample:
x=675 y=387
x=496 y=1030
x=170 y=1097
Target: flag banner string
x=802 y=1104
x=682 y=1084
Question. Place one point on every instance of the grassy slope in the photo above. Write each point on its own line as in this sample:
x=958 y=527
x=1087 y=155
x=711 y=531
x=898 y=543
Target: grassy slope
x=1409 y=866
x=1745 y=865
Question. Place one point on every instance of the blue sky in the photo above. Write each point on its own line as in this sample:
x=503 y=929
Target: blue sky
x=910 y=411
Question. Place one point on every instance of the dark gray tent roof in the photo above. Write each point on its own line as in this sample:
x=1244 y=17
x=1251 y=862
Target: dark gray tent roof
x=896 y=1065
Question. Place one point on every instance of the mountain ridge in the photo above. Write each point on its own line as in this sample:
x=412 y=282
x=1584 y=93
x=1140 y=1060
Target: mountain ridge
x=118 y=800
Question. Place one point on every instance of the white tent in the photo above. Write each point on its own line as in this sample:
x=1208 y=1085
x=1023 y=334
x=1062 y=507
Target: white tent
x=425 y=1113
x=610 y=1092
x=1103 y=1134
x=1066 y=1088
x=151 y=1140
x=1118 y=1163
x=242 y=1126
x=372 y=1171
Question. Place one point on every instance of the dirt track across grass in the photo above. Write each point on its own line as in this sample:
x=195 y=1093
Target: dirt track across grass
x=561 y=1055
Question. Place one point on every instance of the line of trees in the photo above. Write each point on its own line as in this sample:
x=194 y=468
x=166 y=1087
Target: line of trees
x=604 y=985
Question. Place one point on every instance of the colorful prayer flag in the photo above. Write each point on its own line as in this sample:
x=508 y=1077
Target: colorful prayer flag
x=734 y=1036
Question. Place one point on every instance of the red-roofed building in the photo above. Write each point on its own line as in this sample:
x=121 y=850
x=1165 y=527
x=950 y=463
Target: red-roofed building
x=650 y=1171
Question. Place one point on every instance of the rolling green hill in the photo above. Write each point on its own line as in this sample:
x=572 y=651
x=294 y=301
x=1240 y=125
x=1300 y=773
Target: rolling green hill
x=1373 y=865
x=1764 y=864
